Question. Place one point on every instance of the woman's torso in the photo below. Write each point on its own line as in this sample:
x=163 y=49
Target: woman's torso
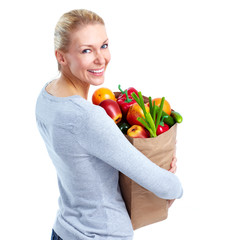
x=90 y=202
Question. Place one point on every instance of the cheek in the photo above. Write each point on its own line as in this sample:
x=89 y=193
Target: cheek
x=79 y=64
x=108 y=57
x=85 y=62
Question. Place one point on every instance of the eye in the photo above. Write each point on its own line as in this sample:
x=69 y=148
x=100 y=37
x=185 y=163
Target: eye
x=86 y=51
x=105 y=45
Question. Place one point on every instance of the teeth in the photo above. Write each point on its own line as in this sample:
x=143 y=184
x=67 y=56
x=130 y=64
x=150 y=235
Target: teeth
x=96 y=71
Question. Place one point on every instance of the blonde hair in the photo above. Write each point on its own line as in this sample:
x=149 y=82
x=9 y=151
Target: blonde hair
x=71 y=21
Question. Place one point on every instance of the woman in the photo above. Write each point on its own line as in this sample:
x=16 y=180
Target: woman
x=84 y=143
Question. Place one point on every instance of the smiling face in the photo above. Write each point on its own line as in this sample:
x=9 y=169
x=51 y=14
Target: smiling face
x=88 y=54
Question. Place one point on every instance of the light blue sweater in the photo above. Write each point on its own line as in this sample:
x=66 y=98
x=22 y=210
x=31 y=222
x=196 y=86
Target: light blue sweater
x=88 y=150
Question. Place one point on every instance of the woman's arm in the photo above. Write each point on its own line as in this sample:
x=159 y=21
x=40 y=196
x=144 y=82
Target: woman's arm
x=173 y=170
x=100 y=136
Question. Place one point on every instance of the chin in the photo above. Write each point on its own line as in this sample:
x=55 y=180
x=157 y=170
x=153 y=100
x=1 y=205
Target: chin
x=97 y=82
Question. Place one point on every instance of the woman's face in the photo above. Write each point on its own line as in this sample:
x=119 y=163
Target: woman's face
x=88 y=54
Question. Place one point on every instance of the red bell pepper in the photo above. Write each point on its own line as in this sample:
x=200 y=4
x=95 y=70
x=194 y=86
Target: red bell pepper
x=125 y=100
x=162 y=127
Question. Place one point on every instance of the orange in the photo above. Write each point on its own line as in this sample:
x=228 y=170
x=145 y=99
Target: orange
x=101 y=94
x=166 y=107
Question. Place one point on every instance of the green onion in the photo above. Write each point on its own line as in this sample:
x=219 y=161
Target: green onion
x=135 y=97
x=145 y=124
x=160 y=112
x=151 y=123
x=148 y=121
x=150 y=107
x=154 y=111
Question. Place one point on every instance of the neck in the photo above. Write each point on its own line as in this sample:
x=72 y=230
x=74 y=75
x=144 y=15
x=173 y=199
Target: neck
x=74 y=86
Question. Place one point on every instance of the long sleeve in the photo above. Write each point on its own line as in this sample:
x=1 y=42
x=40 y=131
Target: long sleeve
x=88 y=150
x=100 y=137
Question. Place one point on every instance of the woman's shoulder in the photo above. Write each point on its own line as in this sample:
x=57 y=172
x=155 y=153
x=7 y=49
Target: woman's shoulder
x=88 y=109
x=67 y=110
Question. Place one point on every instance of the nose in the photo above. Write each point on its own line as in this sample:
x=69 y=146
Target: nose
x=99 y=58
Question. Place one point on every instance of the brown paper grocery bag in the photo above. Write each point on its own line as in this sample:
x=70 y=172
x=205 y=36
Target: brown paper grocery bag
x=143 y=206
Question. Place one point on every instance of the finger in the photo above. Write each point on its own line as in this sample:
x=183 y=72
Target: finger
x=170 y=202
x=174 y=159
x=173 y=163
x=173 y=169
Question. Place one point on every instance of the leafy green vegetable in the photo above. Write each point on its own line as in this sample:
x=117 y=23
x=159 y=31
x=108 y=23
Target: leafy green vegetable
x=150 y=117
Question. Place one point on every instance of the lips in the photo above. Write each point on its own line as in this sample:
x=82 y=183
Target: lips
x=99 y=71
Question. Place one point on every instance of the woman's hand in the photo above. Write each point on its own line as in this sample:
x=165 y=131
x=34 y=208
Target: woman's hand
x=173 y=165
x=173 y=170
x=170 y=202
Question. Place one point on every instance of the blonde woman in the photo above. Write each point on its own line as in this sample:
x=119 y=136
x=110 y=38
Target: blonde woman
x=85 y=145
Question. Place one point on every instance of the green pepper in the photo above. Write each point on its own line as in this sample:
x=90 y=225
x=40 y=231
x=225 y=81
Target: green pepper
x=168 y=120
x=123 y=126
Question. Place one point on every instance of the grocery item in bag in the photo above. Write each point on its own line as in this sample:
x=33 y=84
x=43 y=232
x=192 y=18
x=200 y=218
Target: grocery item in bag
x=143 y=206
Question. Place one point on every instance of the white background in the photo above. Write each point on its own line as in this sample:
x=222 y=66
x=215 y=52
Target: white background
x=176 y=49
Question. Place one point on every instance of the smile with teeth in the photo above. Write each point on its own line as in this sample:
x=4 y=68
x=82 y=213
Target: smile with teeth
x=96 y=71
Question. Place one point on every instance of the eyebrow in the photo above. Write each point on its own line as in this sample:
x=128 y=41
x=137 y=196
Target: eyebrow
x=88 y=45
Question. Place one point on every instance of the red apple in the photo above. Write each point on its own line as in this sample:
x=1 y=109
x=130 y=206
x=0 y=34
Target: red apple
x=112 y=109
x=137 y=131
x=134 y=112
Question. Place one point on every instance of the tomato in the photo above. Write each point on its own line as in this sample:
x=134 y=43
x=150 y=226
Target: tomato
x=101 y=94
x=166 y=107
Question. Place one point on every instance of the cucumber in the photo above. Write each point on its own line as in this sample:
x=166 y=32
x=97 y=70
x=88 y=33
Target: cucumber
x=176 y=116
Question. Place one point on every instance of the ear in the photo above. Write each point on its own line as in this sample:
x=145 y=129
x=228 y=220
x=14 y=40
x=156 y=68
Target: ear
x=60 y=57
